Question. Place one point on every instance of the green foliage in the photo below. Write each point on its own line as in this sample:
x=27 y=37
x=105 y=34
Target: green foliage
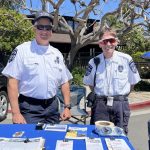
x=113 y=22
x=137 y=57
x=135 y=41
x=144 y=69
x=78 y=74
x=9 y=4
x=14 y=28
x=142 y=86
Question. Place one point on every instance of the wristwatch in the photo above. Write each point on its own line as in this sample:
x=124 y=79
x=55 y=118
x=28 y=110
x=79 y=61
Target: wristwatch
x=67 y=106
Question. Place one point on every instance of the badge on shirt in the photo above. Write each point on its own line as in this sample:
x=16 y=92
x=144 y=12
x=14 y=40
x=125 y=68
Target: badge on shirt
x=133 y=67
x=88 y=70
x=120 y=68
x=13 y=55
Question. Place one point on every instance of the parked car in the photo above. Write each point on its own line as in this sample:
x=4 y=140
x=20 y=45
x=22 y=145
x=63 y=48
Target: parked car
x=3 y=95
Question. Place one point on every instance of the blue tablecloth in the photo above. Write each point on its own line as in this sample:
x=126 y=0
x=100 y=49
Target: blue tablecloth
x=7 y=130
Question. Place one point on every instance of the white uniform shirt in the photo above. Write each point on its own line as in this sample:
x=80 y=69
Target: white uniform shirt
x=114 y=76
x=39 y=69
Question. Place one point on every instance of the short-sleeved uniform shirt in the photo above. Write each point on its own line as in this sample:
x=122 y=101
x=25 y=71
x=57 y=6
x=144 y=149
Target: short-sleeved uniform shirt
x=114 y=76
x=39 y=69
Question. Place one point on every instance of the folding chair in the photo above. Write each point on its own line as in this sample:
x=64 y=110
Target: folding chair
x=78 y=114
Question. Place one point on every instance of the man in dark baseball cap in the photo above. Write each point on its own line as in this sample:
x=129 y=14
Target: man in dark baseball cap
x=40 y=96
x=42 y=14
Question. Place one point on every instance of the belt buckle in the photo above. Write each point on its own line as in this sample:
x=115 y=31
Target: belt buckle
x=110 y=101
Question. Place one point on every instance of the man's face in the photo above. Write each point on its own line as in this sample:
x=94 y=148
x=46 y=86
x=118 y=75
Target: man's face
x=43 y=31
x=108 y=43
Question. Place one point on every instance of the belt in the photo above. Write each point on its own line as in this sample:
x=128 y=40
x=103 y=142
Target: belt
x=115 y=98
x=35 y=101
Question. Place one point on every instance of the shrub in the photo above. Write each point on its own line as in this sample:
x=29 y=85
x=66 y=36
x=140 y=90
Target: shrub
x=137 y=57
x=142 y=86
x=15 y=29
x=78 y=73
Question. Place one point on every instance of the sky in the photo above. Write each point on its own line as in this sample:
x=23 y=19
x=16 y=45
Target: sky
x=67 y=8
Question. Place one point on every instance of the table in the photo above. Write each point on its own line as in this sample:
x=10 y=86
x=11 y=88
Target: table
x=7 y=130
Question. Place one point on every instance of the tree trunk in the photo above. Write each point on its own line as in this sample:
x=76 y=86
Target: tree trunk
x=71 y=55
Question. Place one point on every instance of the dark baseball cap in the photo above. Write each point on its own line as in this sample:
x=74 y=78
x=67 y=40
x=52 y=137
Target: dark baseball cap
x=42 y=14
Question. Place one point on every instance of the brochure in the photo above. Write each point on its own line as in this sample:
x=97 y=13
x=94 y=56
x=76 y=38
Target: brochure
x=93 y=144
x=76 y=133
x=116 y=144
x=55 y=127
x=22 y=143
x=64 y=145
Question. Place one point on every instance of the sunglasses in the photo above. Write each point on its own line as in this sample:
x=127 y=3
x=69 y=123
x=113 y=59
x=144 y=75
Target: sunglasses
x=44 y=27
x=111 y=40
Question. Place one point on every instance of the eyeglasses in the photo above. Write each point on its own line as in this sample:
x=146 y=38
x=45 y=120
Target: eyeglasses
x=111 y=41
x=44 y=27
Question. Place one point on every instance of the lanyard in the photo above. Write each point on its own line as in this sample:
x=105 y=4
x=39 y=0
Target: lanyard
x=108 y=67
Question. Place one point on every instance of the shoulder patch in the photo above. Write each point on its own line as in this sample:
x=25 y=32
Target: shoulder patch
x=133 y=67
x=13 y=55
x=88 y=70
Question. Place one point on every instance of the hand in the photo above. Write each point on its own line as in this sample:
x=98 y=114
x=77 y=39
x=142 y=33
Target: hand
x=18 y=119
x=66 y=114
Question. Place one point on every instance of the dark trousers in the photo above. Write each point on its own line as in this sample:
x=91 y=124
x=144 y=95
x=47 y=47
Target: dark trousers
x=119 y=113
x=36 y=110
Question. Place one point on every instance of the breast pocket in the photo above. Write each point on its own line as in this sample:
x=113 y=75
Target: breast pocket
x=120 y=80
x=31 y=66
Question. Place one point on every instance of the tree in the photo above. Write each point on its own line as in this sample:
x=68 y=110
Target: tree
x=129 y=15
x=135 y=41
x=10 y=4
x=15 y=28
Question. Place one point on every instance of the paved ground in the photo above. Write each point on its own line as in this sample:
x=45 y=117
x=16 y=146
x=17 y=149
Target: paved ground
x=139 y=100
x=138 y=97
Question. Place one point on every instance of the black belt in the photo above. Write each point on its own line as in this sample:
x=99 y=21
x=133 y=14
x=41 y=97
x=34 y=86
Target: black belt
x=35 y=101
x=115 y=98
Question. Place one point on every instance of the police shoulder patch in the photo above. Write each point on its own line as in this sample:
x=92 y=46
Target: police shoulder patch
x=88 y=70
x=133 y=67
x=13 y=55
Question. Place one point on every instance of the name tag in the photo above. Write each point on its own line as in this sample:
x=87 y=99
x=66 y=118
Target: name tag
x=110 y=101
